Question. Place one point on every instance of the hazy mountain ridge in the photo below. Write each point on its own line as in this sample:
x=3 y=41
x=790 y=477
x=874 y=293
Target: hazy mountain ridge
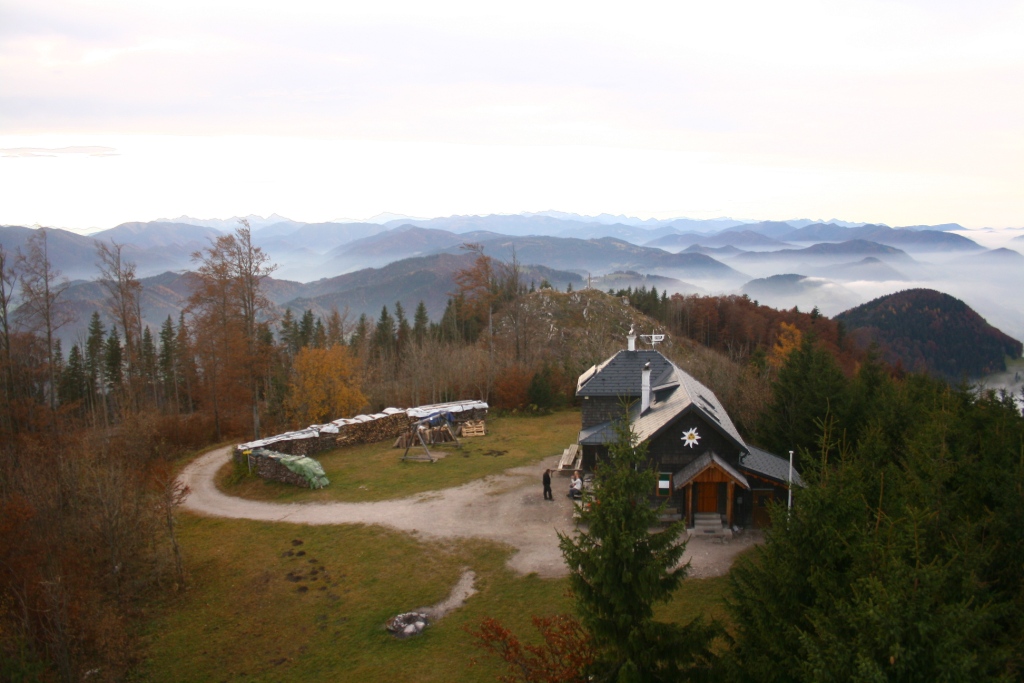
x=780 y=291
x=830 y=251
x=923 y=329
x=989 y=279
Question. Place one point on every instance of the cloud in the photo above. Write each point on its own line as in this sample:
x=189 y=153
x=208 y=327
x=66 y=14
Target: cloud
x=57 y=151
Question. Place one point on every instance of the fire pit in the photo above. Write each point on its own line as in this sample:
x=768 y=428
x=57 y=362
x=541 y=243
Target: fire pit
x=407 y=625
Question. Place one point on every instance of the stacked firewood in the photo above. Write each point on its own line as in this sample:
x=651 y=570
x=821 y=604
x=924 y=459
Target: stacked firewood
x=372 y=431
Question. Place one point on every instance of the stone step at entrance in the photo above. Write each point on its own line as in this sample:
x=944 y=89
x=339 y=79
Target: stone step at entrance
x=709 y=525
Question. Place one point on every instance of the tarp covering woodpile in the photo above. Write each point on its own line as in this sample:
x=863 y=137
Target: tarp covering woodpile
x=308 y=472
x=383 y=426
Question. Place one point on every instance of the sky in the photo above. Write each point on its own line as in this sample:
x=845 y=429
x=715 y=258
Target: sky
x=905 y=113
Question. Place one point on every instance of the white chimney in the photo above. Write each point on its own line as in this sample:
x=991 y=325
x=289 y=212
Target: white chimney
x=631 y=340
x=645 y=389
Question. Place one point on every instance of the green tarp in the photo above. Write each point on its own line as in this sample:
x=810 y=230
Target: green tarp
x=305 y=467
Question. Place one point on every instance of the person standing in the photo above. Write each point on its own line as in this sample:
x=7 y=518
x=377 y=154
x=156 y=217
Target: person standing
x=546 y=480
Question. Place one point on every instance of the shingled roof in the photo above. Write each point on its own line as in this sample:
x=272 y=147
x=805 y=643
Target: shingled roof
x=678 y=392
x=769 y=465
x=620 y=374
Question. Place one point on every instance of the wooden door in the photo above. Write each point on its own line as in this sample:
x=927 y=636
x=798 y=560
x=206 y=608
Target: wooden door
x=707 y=497
x=761 y=501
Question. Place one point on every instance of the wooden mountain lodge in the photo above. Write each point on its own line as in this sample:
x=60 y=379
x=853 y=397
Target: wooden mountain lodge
x=706 y=471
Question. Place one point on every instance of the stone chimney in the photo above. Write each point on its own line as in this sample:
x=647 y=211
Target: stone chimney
x=631 y=340
x=645 y=389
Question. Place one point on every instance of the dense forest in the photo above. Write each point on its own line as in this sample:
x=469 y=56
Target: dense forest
x=90 y=437
x=927 y=331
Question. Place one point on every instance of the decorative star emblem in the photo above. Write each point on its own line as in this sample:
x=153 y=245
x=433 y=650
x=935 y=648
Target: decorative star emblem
x=691 y=437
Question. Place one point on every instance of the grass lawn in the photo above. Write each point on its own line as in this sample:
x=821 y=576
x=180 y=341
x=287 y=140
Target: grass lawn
x=375 y=471
x=285 y=602
x=245 y=617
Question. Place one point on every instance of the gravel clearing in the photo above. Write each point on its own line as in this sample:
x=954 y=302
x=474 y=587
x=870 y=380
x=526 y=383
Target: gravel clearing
x=508 y=508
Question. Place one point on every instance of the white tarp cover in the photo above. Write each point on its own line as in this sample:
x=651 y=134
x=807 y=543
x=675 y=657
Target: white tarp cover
x=454 y=407
x=334 y=426
x=309 y=433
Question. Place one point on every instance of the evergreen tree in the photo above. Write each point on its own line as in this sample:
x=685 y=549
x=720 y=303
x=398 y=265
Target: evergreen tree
x=147 y=360
x=167 y=361
x=384 y=334
x=74 y=380
x=289 y=332
x=319 y=340
x=335 y=331
x=305 y=330
x=900 y=560
x=421 y=323
x=361 y=335
x=95 y=344
x=540 y=392
x=113 y=359
x=810 y=388
x=402 y=330
x=619 y=571
x=185 y=357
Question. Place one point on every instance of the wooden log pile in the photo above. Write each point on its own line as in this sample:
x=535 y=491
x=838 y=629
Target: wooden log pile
x=381 y=429
x=268 y=468
x=391 y=424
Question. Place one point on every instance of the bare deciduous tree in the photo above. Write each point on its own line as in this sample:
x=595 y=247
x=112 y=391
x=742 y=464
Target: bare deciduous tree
x=43 y=310
x=124 y=291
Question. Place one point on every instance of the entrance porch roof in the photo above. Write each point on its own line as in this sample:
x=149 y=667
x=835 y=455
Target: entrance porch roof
x=702 y=464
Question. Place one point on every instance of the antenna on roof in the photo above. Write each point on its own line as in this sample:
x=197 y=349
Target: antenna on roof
x=653 y=339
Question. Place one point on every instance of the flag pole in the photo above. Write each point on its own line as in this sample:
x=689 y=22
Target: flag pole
x=790 y=504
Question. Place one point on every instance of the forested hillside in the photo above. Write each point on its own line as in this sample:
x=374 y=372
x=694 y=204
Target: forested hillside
x=90 y=434
x=927 y=331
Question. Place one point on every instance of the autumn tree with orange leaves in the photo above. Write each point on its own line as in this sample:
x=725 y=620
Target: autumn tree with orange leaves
x=324 y=386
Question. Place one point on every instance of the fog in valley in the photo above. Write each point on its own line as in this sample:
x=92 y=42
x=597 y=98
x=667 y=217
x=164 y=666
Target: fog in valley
x=363 y=265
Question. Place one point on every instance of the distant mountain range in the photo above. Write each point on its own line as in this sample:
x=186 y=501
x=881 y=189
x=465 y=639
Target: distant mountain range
x=926 y=330
x=744 y=239
x=430 y=279
x=371 y=263
x=829 y=252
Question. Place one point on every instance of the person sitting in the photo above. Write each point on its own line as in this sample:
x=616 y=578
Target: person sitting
x=576 y=486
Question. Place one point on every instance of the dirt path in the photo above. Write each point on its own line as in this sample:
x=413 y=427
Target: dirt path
x=508 y=508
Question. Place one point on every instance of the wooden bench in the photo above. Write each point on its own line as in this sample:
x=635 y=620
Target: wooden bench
x=572 y=458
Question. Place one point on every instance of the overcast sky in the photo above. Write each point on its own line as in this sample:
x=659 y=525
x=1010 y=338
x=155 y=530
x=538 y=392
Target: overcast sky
x=898 y=112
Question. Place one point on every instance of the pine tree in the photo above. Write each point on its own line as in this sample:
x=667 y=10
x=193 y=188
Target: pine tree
x=305 y=330
x=402 y=330
x=384 y=334
x=74 y=380
x=289 y=333
x=186 y=365
x=810 y=388
x=421 y=324
x=335 y=329
x=147 y=361
x=113 y=359
x=619 y=571
x=168 y=362
x=361 y=335
x=900 y=560
x=319 y=340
